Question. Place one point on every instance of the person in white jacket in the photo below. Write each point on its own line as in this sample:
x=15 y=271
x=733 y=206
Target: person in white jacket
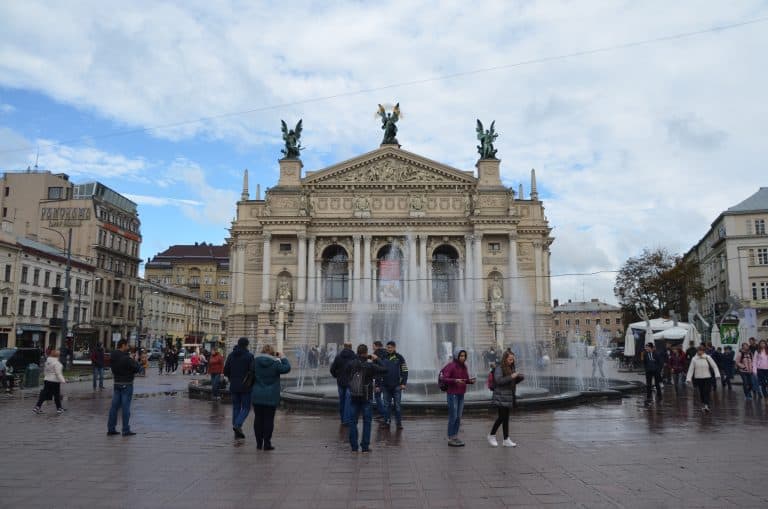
x=54 y=377
x=700 y=372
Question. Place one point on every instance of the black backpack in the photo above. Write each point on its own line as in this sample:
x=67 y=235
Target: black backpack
x=358 y=389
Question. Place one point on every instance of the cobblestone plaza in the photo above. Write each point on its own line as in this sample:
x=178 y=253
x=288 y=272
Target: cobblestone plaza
x=609 y=454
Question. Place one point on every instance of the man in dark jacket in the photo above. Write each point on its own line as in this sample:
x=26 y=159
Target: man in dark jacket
x=97 y=359
x=652 y=362
x=380 y=352
x=339 y=372
x=238 y=364
x=124 y=368
x=393 y=383
x=365 y=368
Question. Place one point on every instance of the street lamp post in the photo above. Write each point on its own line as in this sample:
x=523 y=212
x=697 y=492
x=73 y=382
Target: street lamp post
x=67 y=271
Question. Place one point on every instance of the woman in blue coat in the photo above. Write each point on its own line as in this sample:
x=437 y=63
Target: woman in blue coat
x=265 y=395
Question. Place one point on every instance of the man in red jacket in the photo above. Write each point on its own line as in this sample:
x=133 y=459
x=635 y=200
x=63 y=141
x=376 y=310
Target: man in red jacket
x=215 y=369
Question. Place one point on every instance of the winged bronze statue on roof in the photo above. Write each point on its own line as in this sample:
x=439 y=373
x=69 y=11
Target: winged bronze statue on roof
x=388 y=124
x=486 y=137
x=291 y=138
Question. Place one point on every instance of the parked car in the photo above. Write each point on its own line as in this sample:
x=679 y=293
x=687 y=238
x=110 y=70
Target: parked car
x=19 y=358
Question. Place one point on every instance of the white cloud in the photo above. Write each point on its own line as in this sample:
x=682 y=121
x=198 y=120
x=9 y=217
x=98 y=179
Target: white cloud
x=633 y=148
x=6 y=108
x=162 y=201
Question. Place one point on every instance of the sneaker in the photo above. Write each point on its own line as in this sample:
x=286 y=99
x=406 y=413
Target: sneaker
x=37 y=410
x=509 y=443
x=455 y=442
x=364 y=451
x=128 y=433
x=112 y=433
x=59 y=411
x=239 y=433
x=492 y=440
x=269 y=447
x=705 y=409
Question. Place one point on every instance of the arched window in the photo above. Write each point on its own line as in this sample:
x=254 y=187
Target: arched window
x=390 y=274
x=445 y=274
x=335 y=271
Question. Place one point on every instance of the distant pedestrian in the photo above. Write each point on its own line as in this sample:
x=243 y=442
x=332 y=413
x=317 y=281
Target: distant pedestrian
x=652 y=364
x=361 y=372
x=690 y=353
x=744 y=367
x=701 y=371
x=677 y=367
x=215 y=369
x=97 y=360
x=265 y=395
x=124 y=369
x=339 y=372
x=760 y=367
x=597 y=362
x=504 y=386
x=455 y=376
x=54 y=377
x=236 y=367
x=380 y=352
x=727 y=366
x=160 y=363
x=393 y=383
x=753 y=346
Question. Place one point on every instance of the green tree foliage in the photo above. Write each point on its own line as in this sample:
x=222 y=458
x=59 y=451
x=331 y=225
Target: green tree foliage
x=658 y=280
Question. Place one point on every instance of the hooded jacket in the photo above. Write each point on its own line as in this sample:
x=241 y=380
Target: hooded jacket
x=266 y=379
x=53 y=370
x=339 y=366
x=237 y=365
x=453 y=371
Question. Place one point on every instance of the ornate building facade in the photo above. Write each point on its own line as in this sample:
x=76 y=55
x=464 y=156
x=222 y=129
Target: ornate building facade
x=326 y=255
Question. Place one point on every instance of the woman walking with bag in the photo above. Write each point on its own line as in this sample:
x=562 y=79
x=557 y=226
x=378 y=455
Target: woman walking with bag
x=504 y=384
x=265 y=395
x=702 y=371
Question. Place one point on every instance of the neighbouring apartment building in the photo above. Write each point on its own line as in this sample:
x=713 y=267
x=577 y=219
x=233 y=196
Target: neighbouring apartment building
x=733 y=256
x=580 y=319
x=201 y=268
x=105 y=233
x=32 y=276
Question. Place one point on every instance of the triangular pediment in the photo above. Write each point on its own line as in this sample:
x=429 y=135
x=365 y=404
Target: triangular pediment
x=389 y=165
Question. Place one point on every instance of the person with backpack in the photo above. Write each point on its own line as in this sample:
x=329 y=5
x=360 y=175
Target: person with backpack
x=361 y=372
x=339 y=372
x=503 y=385
x=393 y=383
x=236 y=367
x=454 y=377
x=744 y=366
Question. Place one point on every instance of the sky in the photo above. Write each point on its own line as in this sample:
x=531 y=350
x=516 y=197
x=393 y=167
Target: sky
x=638 y=146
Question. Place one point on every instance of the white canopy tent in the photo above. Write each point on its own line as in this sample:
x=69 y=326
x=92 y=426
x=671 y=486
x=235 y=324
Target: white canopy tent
x=661 y=328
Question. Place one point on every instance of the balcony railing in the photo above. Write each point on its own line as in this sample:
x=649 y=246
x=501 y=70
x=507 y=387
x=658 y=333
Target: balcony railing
x=58 y=292
x=334 y=307
x=389 y=306
x=445 y=307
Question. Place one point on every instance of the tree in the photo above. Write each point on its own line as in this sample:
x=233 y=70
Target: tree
x=658 y=280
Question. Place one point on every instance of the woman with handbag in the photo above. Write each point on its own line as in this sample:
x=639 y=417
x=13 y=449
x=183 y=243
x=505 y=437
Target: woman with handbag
x=265 y=395
x=505 y=381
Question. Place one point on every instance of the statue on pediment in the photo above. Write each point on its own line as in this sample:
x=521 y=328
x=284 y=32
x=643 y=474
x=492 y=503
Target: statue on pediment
x=291 y=138
x=486 y=138
x=388 y=124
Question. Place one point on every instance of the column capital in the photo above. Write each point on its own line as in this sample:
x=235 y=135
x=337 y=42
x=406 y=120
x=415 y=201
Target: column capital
x=301 y=236
x=267 y=236
x=368 y=238
x=479 y=235
x=512 y=235
x=468 y=238
x=538 y=244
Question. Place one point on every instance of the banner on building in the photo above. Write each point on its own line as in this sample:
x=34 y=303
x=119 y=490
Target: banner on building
x=729 y=334
x=389 y=281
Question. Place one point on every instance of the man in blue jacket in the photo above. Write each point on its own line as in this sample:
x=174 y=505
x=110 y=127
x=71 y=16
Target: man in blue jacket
x=393 y=383
x=237 y=365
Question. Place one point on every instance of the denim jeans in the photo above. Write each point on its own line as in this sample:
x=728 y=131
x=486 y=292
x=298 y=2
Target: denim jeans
x=455 y=409
x=762 y=380
x=379 y=402
x=355 y=409
x=121 y=399
x=392 y=396
x=98 y=373
x=215 y=380
x=344 y=400
x=241 y=406
x=748 y=383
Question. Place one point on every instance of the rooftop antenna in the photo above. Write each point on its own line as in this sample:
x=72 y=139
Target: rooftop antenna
x=37 y=156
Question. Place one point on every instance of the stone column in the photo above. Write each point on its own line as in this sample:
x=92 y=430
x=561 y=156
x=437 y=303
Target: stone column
x=537 y=245
x=350 y=285
x=460 y=284
x=235 y=276
x=312 y=275
x=512 y=279
x=423 y=268
x=266 y=267
x=302 y=279
x=241 y=272
x=412 y=274
x=366 y=268
x=468 y=266
x=546 y=281
x=356 y=268
x=477 y=272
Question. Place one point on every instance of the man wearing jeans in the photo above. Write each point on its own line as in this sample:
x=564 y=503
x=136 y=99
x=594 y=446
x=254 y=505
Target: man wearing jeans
x=238 y=364
x=124 y=368
x=215 y=369
x=97 y=359
x=361 y=373
x=393 y=383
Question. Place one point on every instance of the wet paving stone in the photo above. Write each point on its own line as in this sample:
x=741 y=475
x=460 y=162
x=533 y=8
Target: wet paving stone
x=616 y=454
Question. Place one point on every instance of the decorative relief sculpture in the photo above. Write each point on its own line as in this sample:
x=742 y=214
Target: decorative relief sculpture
x=390 y=170
x=305 y=204
x=417 y=204
x=284 y=292
x=361 y=206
